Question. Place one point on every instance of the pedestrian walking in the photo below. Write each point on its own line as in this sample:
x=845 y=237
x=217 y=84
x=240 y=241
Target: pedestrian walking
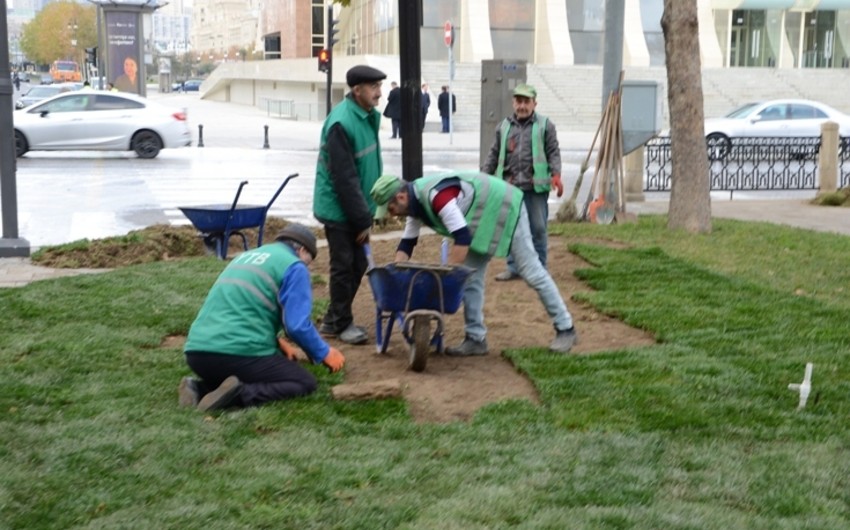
x=525 y=152
x=426 y=103
x=393 y=109
x=443 y=107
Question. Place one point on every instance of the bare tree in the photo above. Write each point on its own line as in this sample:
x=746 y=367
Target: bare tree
x=690 y=202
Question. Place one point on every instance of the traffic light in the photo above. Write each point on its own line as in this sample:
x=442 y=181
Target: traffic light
x=91 y=55
x=331 y=29
x=324 y=60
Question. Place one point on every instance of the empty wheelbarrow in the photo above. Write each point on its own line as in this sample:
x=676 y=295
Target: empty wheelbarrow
x=218 y=222
x=416 y=295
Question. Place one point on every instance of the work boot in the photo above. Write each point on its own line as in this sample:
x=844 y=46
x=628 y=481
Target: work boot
x=468 y=347
x=506 y=276
x=564 y=340
x=188 y=393
x=223 y=396
x=327 y=330
x=354 y=335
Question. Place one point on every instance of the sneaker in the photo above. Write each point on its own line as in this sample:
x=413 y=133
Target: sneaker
x=354 y=335
x=506 y=276
x=188 y=393
x=564 y=340
x=468 y=347
x=223 y=396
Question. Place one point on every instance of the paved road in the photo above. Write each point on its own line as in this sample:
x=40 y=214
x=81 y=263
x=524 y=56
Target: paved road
x=67 y=196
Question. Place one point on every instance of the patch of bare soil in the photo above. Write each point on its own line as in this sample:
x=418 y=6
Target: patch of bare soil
x=453 y=388
x=449 y=389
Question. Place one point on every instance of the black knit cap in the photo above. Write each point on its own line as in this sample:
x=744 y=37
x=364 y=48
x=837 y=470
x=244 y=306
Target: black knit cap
x=363 y=74
x=301 y=235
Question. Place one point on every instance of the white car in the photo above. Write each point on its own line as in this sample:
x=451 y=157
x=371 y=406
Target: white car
x=775 y=118
x=91 y=120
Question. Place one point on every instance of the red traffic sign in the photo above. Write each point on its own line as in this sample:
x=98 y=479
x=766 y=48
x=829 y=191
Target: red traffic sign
x=448 y=38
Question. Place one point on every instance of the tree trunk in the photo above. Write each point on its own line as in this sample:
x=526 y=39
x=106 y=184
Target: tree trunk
x=690 y=202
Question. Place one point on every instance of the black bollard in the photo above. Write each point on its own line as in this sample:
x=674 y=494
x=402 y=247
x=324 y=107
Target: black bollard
x=266 y=141
x=200 y=135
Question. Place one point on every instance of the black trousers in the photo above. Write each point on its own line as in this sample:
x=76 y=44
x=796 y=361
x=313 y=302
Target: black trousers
x=264 y=379
x=348 y=265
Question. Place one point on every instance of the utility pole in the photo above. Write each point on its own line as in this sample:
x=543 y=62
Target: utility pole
x=10 y=245
x=410 y=58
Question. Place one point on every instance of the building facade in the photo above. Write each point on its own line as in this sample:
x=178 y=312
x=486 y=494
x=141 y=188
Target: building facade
x=733 y=33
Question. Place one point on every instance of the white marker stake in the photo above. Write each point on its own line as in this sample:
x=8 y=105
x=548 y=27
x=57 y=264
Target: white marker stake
x=804 y=388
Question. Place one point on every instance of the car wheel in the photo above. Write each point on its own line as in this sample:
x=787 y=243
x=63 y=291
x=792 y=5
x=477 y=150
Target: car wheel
x=21 y=146
x=146 y=144
x=718 y=145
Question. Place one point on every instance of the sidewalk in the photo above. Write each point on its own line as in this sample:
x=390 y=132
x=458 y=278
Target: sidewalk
x=17 y=272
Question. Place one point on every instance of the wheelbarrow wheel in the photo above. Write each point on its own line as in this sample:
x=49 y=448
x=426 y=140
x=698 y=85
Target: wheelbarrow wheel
x=421 y=346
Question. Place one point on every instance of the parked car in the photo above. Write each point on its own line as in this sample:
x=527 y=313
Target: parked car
x=190 y=85
x=45 y=79
x=777 y=118
x=92 y=120
x=40 y=92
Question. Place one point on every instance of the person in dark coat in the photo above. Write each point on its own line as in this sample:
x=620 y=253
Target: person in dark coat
x=426 y=103
x=393 y=109
x=443 y=107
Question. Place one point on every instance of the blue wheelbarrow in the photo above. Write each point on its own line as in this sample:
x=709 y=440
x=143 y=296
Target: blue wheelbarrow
x=218 y=222
x=415 y=295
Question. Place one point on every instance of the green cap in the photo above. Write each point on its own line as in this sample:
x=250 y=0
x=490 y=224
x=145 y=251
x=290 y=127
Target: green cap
x=527 y=91
x=383 y=191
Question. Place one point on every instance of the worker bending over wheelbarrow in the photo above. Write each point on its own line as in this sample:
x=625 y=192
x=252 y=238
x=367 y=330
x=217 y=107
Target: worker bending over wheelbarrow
x=486 y=218
x=233 y=345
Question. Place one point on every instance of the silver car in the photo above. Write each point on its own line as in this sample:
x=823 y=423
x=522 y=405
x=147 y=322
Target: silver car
x=41 y=92
x=775 y=118
x=90 y=120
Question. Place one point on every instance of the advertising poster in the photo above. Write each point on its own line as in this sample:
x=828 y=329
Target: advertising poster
x=123 y=50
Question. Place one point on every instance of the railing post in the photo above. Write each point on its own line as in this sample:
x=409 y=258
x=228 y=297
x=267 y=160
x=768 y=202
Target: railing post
x=266 y=141
x=634 y=176
x=828 y=158
x=200 y=135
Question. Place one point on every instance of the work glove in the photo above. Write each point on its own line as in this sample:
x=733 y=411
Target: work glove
x=288 y=349
x=556 y=182
x=334 y=360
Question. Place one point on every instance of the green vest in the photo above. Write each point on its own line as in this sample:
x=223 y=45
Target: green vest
x=361 y=128
x=540 y=179
x=242 y=314
x=492 y=217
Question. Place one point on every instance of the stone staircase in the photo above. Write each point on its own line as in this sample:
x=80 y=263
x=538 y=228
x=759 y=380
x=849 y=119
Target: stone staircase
x=571 y=96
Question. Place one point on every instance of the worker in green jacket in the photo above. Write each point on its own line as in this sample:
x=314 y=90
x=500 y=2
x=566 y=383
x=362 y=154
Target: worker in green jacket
x=525 y=152
x=234 y=345
x=349 y=164
x=486 y=217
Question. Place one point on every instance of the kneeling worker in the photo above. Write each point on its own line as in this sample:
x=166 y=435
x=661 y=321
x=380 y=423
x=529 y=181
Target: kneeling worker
x=486 y=218
x=233 y=343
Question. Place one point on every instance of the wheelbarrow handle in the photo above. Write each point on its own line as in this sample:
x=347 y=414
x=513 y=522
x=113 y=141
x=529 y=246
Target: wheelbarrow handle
x=236 y=199
x=280 y=189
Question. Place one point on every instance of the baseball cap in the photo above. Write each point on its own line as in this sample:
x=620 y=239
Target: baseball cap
x=525 y=90
x=301 y=235
x=383 y=191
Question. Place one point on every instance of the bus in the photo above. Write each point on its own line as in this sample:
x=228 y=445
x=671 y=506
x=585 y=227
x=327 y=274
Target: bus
x=65 y=71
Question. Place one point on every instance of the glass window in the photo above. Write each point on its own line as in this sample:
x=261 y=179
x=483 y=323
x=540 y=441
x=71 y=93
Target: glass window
x=106 y=102
x=806 y=112
x=75 y=103
x=773 y=112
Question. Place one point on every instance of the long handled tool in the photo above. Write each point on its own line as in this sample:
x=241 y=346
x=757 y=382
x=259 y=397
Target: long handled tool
x=568 y=210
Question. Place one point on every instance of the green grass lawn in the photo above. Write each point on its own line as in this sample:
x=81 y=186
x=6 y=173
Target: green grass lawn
x=699 y=431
